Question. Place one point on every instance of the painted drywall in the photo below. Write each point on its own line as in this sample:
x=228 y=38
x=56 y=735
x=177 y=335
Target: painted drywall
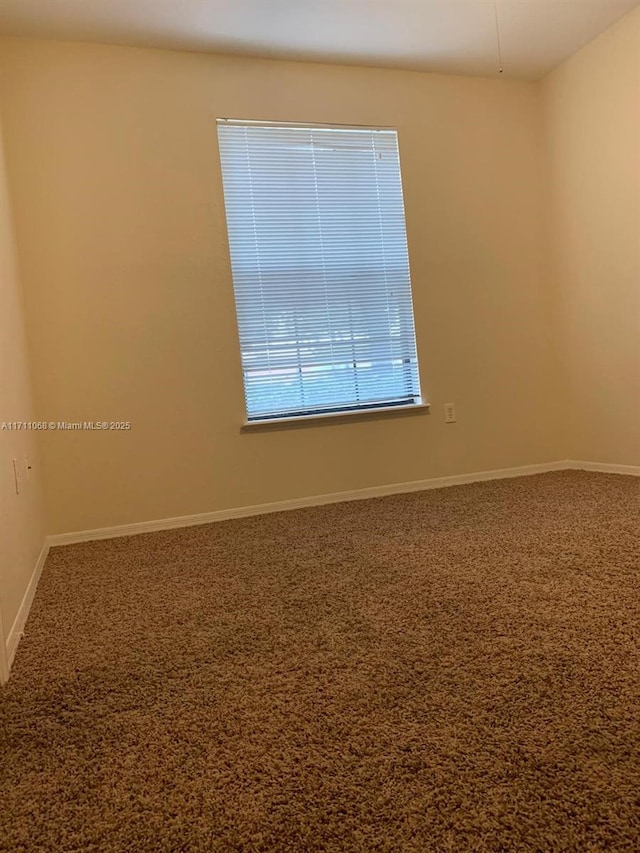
x=592 y=109
x=120 y=220
x=22 y=524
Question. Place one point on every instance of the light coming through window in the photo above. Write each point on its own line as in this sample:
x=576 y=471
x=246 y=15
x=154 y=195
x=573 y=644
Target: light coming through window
x=320 y=268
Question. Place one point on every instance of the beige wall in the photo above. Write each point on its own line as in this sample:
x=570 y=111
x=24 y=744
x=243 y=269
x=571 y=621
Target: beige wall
x=592 y=106
x=22 y=526
x=119 y=210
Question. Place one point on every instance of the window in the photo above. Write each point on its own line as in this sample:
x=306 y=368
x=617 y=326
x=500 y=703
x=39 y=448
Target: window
x=320 y=268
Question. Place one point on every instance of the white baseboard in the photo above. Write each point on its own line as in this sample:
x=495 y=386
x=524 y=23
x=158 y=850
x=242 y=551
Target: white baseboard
x=17 y=628
x=604 y=468
x=336 y=497
x=4 y=663
x=299 y=503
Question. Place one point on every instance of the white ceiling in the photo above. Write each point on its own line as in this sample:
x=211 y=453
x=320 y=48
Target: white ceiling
x=455 y=36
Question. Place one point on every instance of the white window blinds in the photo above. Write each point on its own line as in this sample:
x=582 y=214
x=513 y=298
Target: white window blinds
x=320 y=268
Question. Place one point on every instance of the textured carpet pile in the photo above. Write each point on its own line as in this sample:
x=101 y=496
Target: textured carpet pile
x=452 y=670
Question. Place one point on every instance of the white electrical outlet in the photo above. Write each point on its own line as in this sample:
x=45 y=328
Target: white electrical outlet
x=450 y=413
x=16 y=476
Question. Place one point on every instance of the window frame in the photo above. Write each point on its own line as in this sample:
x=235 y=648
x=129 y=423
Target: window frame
x=419 y=404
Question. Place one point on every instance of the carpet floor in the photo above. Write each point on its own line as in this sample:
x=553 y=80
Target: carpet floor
x=452 y=670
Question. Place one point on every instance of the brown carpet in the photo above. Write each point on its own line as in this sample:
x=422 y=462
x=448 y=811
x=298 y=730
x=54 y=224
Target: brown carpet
x=454 y=670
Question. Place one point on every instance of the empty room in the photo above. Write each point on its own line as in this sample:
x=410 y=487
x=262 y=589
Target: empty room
x=319 y=426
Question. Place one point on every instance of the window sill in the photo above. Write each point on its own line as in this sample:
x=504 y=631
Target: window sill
x=335 y=416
